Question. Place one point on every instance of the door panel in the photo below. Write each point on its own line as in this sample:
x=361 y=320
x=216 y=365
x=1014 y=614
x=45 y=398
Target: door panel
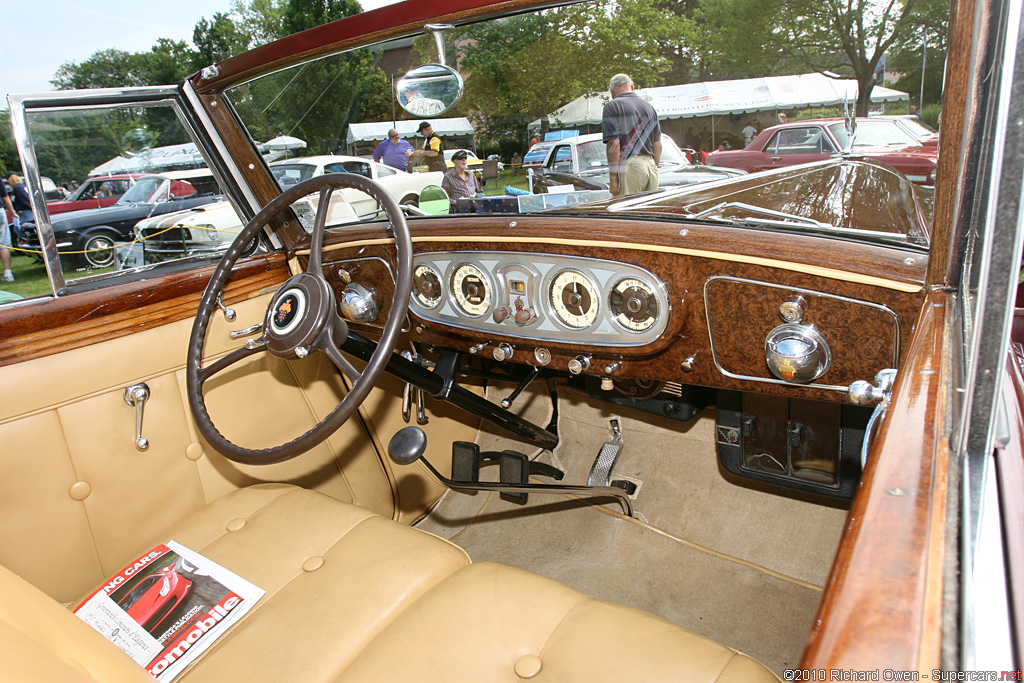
x=69 y=454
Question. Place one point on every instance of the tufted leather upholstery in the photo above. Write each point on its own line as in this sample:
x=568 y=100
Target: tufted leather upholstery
x=385 y=603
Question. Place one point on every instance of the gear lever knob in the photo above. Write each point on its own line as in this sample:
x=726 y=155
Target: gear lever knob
x=407 y=445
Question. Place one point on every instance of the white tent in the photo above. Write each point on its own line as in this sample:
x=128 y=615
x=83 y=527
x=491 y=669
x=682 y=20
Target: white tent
x=153 y=161
x=716 y=98
x=378 y=130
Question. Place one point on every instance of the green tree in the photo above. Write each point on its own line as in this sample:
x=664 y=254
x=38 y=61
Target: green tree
x=300 y=15
x=927 y=30
x=216 y=40
x=762 y=37
x=515 y=67
x=261 y=21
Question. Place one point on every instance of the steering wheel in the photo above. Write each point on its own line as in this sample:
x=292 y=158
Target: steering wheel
x=302 y=317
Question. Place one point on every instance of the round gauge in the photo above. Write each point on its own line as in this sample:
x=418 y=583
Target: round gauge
x=633 y=304
x=469 y=287
x=574 y=299
x=427 y=286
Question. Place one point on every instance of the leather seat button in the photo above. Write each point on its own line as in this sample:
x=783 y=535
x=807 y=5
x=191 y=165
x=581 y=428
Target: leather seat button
x=312 y=563
x=194 y=451
x=528 y=666
x=235 y=524
x=80 y=490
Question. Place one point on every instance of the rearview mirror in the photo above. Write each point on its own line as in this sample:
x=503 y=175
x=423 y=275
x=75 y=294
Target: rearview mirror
x=429 y=90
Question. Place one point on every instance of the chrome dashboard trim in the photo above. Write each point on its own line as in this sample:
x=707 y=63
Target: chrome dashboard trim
x=536 y=271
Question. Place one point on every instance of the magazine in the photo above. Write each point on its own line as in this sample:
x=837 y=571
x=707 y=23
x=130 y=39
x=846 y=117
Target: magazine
x=168 y=606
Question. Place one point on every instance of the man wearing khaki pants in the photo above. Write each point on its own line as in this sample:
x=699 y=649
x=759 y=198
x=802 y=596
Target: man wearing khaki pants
x=632 y=136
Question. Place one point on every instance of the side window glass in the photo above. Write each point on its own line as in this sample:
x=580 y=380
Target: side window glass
x=384 y=172
x=561 y=161
x=139 y=224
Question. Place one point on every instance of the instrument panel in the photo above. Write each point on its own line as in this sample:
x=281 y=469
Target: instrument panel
x=543 y=297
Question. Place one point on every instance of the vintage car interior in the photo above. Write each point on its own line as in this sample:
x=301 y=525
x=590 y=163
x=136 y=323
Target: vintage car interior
x=766 y=427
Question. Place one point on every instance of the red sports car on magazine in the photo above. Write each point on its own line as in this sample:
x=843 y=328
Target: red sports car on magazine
x=156 y=596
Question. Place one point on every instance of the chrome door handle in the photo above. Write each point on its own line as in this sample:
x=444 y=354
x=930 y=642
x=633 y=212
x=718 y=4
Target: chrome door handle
x=136 y=396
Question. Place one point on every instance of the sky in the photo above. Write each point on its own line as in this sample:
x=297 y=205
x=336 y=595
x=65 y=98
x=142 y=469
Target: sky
x=47 y=33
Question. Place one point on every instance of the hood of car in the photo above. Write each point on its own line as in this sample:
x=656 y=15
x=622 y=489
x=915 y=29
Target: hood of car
x=842 y=196
x=106 y=215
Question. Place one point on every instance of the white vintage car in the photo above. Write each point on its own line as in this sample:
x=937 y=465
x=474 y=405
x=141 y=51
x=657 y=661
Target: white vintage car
x=213 y=227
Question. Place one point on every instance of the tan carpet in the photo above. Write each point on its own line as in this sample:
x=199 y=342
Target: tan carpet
x=734 y=563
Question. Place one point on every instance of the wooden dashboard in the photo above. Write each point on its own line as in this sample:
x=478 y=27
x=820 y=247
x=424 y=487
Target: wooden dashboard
x=710 y=296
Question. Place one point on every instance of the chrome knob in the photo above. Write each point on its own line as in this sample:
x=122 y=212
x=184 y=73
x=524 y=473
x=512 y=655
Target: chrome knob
x=358 y=305
x=792 y=311
x=579 y=364
x=797 y=353
x=503 y=351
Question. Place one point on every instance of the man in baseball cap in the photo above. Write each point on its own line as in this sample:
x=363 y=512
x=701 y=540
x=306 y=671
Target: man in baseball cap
x=432 y=150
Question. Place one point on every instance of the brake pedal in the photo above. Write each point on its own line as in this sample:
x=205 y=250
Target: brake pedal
x=514 y=468
x=601 y=472
x=465 y=462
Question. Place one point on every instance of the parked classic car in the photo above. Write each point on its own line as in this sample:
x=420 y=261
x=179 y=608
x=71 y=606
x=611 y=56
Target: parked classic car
x=913 y=126
x=94 y=193
x=800 y=142
x=88 y=236
x=473 y=161
x=582 y=161
x=536 y=155
x=211 y=228
x=763 y=428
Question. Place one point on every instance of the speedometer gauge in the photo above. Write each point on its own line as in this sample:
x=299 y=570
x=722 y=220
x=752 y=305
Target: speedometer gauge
x=574 y=299
x=427 y=286
x=470 y=290
x=633 y=304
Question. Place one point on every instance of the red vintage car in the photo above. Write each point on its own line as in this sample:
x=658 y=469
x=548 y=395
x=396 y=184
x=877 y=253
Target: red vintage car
x=800 y=142
x=95 y=193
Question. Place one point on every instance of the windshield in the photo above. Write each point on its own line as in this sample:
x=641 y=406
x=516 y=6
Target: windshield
x=143 y=191
x=292 y=174
x=533 y=83
x=917 y=128
x=872 y=133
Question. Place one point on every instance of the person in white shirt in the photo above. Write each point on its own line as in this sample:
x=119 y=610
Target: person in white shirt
x=748 y=133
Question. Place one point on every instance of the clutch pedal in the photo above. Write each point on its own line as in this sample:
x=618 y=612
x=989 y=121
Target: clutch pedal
x=601 y=472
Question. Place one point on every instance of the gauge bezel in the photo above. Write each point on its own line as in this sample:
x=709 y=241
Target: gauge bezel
x=440 y=283
x=593 y=291
x=453 y=291
x=646 y=286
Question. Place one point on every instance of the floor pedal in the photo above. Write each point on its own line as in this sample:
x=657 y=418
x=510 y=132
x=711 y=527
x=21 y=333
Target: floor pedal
x=465 y=461
x=514 y=468
x=601 y=472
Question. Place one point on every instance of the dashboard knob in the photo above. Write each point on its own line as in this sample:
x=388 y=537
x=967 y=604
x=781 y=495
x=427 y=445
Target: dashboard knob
x=524 y=315
x=501 y=313
x=503 y=351
x=579 y=364
x=797 y=353
x=358 y=304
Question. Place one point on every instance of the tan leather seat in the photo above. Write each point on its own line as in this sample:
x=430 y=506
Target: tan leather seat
x=351 y=596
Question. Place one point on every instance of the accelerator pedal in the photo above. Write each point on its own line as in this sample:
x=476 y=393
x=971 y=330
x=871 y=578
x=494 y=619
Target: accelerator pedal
x=601 y=471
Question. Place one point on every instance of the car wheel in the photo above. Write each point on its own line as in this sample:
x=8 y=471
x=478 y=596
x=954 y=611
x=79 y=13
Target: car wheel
x=98 y=249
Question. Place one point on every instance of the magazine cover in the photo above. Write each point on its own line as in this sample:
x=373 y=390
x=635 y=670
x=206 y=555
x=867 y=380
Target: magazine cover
x=168 y=606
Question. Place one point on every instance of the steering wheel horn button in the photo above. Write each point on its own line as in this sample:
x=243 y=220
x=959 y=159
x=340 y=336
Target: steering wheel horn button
x=297 y=315
x=287 y=311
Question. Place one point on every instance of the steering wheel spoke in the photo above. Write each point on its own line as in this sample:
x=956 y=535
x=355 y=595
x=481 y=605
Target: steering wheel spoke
x=303 y=312
x=227 y=361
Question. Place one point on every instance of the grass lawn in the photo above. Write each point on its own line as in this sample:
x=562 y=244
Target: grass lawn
x=29 y=277
x=497 y=187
